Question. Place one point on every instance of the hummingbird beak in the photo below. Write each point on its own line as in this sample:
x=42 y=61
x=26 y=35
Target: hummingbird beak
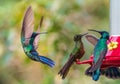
x=42 y=33
x=94 y=30
x=84 y=34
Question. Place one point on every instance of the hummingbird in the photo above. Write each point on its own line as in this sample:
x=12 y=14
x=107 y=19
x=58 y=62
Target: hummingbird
x=99 y=54
x=110 y=72
x=76 y=55
x=100 y=51
x=29 y=39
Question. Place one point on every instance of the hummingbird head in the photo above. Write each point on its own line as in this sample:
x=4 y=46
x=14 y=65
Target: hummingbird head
x=79 y=36
x=34 y=34
x=103 y=34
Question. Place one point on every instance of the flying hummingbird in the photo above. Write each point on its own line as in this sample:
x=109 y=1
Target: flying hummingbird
x=111 y=72
x=76 y=54
x=99 y=54
x=29 y=39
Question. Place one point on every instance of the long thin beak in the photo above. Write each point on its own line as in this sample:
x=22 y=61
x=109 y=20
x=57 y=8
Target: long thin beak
x=84 y=34
x=94 y=30
x=42 y=33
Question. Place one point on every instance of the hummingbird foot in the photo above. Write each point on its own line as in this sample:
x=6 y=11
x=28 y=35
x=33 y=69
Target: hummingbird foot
x=77 y=61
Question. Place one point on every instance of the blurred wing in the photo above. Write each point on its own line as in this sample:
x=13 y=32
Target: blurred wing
x=92 y=39
x=41 y=21
x=99 y=62
x=111 y=72
x=28 y=25
x=38 y=36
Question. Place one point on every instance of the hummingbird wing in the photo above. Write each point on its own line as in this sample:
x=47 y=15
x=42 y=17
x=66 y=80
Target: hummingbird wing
x=28 y=25
x=72 y=58
x=35 y=43
x=87 y=71
x=92 y=39
x=111 y=72
x=65 y=69
x=98 y=64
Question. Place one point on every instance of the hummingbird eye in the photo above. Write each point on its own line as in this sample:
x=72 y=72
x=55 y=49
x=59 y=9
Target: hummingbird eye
x=76 y=37
x=107 y=37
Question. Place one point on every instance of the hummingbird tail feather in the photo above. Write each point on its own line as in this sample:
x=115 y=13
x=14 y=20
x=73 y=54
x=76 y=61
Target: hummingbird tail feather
x=47 y=61
x=96 y=74
x=87 y=71
x=65 y=69
x=112 y=72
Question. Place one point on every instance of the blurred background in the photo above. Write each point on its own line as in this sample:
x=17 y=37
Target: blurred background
x=62 y=19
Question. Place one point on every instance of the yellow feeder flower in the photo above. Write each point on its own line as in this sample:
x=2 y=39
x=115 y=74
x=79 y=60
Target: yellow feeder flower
x=112 y=45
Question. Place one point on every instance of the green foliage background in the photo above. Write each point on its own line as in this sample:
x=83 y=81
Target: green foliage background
x=63 y=19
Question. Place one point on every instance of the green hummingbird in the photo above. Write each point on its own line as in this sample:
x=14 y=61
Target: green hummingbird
x=99 y=54
x=29 y=39
x=76 y=55
x=111 y=72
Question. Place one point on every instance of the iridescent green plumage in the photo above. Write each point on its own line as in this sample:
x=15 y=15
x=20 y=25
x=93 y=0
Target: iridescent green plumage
x=29 y=39
x=110 y=72
x=100 y=51
x=75 y=55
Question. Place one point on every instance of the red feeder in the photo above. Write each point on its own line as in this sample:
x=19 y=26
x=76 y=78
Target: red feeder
x=112 y=57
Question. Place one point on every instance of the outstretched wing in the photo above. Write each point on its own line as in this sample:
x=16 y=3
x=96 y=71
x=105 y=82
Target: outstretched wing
x=35 y=43
x=111 y=72
x=28 y=25
x=92 y=39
